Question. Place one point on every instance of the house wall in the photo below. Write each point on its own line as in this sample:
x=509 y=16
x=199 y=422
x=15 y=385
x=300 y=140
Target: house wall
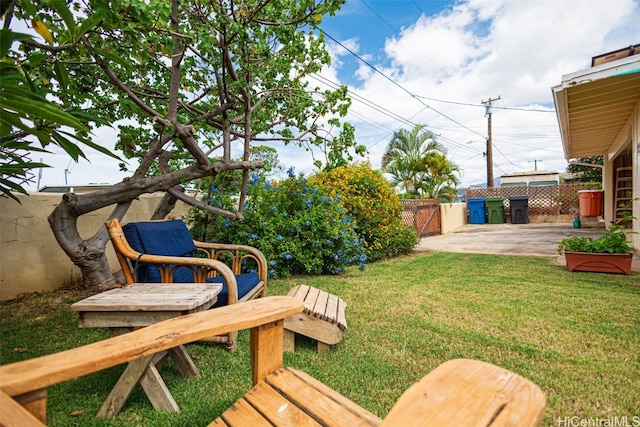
x=608 y=179
x=608 y=185
x=635 y=156
x=31 y=259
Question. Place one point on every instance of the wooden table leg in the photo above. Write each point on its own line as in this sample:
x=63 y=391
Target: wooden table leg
x=159 y=359
x=157 y=391
x=121 y=391
x=183 y=362
x=145 y=371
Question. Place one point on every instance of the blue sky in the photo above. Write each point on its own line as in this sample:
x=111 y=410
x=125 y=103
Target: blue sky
x=436 y=61
x=372 y=22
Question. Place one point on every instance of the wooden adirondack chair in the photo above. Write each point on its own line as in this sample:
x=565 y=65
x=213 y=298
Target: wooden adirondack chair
x=164 y=252
x=457 y=393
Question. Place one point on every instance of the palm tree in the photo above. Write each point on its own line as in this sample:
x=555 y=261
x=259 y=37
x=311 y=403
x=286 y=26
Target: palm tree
x=401 y=175
x=405 y=154
x=439 y=177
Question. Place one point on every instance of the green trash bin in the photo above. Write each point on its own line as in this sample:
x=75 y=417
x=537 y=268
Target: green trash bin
x=495 y=210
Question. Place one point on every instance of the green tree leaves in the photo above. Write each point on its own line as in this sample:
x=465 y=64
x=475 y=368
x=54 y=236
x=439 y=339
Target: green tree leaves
x=585 y=173
x=417 y=163
x=231 y=73
x=32 y=109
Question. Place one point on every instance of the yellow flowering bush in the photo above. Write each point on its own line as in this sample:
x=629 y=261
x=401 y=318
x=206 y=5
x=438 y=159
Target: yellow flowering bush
x=373 y=205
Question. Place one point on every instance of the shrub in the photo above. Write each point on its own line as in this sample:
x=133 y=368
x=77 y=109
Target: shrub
x=300 y=228
x=374 y=206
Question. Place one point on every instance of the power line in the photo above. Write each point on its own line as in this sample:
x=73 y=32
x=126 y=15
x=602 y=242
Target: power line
x=388 y=113
x=379 y=16
x=468 y=104
x=392 y=115
x=364 y=61
x=417 y=97
x=454 y=121
x=400 y=86
x=533 y=110
x=505 y=157
x=364 y=101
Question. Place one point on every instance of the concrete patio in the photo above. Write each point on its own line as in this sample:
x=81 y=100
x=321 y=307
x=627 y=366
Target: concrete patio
x=509 y=239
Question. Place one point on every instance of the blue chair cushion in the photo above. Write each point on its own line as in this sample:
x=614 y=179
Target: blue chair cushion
x=160 y=238
x=169 y=238
x=246 y=282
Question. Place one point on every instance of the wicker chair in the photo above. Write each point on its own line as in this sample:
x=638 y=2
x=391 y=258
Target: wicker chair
x=164 y=252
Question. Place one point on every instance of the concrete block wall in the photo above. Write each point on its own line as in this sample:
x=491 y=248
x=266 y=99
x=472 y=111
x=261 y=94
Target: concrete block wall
x=452 y=216
x=31 y=259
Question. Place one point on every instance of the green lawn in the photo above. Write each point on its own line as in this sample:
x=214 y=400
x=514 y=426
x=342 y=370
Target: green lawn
x=576 y=335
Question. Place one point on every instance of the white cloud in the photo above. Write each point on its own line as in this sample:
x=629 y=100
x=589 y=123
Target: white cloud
x=479 y=49
x=437 y=46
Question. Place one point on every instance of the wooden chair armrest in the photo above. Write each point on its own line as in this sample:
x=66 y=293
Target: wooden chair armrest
x=200 y=274
x=12 y=414
x=183 y=260
x=469 y=393
x=38 y=373
x=228 y=246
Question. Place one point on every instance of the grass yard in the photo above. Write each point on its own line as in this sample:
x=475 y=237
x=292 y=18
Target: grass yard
x=576 y=335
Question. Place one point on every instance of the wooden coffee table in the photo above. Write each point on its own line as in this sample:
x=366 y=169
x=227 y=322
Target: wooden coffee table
x=139 y=305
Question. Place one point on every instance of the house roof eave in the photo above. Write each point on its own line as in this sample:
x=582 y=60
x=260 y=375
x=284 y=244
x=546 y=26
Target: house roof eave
x=593 y=105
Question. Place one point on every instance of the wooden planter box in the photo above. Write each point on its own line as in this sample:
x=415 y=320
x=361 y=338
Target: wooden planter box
x=599 y=263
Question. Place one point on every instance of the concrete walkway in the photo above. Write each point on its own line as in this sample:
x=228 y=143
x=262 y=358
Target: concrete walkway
x=506 y=239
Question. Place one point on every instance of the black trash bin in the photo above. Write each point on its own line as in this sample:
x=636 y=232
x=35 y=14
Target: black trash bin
x=519 y=209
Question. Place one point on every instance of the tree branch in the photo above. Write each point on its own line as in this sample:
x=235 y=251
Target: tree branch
x=185 y=133
x=130 y=188
x=124 y=87
x=198 y=204
x=176 y=59
x=46 y=47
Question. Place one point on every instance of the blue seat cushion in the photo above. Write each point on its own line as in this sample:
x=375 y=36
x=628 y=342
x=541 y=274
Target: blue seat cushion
x=246 y=282
x=169 y=238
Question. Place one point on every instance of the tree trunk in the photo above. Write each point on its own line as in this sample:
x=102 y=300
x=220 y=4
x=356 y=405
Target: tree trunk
x=88 y=254
x=165 y=206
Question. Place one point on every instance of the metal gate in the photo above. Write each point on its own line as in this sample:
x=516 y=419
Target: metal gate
x=423 y=215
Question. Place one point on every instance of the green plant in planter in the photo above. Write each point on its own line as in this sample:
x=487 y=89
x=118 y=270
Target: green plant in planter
x=614 y=240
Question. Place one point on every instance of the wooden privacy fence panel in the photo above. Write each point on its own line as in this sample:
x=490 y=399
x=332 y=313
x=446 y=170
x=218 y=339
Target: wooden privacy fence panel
x=559 y=199
x=423 y=215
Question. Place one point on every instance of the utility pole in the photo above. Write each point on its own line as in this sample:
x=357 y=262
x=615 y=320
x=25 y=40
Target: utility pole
x=487 y=105
x=535 y=164
x=39 y=177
